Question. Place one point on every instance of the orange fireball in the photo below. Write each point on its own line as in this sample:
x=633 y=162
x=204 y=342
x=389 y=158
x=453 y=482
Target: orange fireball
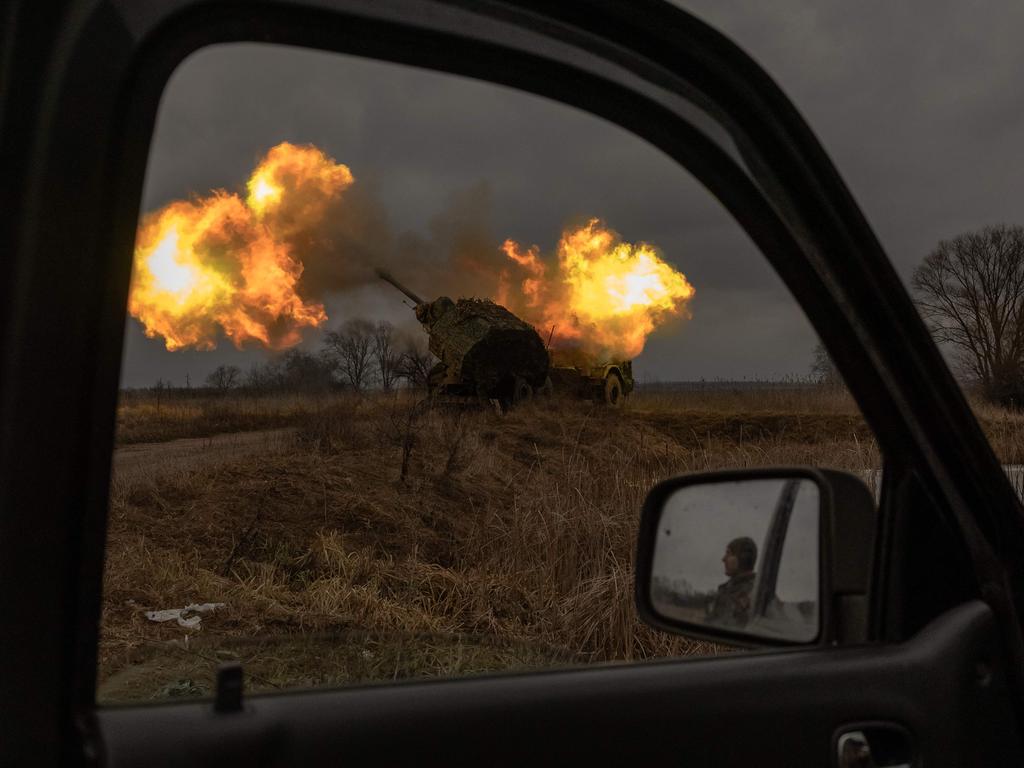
x=606 y=295
x=217 y=264
x=294 y=185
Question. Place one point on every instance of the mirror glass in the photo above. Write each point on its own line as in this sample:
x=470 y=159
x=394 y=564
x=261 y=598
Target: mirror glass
x=741 y=556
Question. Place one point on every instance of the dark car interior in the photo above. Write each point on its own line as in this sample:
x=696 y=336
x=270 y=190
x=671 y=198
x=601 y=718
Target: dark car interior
x=922 y=648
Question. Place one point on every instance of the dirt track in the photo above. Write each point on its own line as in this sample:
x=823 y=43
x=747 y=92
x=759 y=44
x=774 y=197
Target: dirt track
x=149 y=460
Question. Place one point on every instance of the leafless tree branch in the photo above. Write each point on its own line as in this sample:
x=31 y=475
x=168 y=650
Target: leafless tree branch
x=970 y=291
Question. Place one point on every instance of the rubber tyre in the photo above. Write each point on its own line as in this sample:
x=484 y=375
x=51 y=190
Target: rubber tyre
x=613 y=395
x=522 y=392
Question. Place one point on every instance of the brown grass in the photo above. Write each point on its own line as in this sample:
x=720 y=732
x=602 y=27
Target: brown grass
x=395 y=542
x=145 y=418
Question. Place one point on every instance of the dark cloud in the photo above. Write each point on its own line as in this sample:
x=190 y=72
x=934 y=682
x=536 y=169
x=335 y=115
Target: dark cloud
x=915 y=102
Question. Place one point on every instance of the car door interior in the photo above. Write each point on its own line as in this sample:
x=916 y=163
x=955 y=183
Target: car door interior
x=938 y=680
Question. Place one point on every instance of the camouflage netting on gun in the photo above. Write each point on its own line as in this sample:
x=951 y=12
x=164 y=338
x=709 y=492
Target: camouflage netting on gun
x=483 y=344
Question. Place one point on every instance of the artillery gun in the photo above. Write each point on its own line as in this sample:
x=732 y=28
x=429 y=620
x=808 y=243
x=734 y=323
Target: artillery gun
x=484 y=351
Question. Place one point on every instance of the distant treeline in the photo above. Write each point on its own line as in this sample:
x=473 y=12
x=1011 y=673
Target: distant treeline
x=359 y=355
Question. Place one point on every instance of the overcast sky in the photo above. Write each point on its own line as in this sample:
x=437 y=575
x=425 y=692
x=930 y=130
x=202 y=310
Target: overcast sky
x=917 y=103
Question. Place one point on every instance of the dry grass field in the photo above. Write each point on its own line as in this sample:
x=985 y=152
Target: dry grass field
x=144 y=418
x=385 y=541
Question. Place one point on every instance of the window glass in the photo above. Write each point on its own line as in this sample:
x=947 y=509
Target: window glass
x=339 y=476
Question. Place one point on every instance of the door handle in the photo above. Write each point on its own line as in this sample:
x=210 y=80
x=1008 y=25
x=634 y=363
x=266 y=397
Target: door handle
x=854 y=748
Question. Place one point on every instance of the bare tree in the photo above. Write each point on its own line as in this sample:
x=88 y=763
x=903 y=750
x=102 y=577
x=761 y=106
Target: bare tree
x=414 y=363
x=260 y=378
x=350 y=351
x=224 y=377
x=970 y=290
x=384 y=353
x=294 y=371
x=823 y=370
x=161 y=387
x=300 y=371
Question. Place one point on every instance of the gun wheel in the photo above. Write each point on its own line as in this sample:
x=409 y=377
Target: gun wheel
x=522 y=392
x=613 y=395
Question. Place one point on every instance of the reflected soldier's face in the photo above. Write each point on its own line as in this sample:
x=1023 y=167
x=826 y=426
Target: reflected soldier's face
x=732 y=563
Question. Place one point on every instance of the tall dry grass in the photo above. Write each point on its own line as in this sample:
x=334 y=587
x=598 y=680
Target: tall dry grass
x=395 y=541
x=721 y=399
x=148 y=417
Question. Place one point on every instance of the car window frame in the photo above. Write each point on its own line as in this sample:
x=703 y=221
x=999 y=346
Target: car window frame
x=785 y=194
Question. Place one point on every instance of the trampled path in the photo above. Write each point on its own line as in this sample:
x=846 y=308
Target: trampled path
x=141 y=461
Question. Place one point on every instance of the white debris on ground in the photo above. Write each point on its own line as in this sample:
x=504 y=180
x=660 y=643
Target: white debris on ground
x=189 y=617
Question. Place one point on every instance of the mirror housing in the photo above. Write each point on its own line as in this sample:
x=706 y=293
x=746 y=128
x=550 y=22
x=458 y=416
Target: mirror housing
x=846 y=530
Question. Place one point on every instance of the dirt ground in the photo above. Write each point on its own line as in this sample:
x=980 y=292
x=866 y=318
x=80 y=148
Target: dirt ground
x=142 y=461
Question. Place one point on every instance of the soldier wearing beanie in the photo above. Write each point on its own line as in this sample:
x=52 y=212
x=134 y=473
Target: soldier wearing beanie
x=732 y=603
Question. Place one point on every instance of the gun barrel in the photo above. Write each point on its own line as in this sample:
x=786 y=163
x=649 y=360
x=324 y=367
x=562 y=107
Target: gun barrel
x=387 y=277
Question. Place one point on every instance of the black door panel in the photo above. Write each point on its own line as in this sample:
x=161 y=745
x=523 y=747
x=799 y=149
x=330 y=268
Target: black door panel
x=81 y=84
x=782 y=709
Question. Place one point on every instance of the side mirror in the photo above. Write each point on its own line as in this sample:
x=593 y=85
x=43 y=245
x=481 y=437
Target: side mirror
x=758 y=557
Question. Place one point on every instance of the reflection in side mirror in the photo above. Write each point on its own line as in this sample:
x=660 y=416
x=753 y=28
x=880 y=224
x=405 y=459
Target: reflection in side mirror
x=741 y=556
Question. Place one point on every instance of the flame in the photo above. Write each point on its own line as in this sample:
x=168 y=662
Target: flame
x=310 y=178
x=607 y=295
x=262 y=194
x=218 y=264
